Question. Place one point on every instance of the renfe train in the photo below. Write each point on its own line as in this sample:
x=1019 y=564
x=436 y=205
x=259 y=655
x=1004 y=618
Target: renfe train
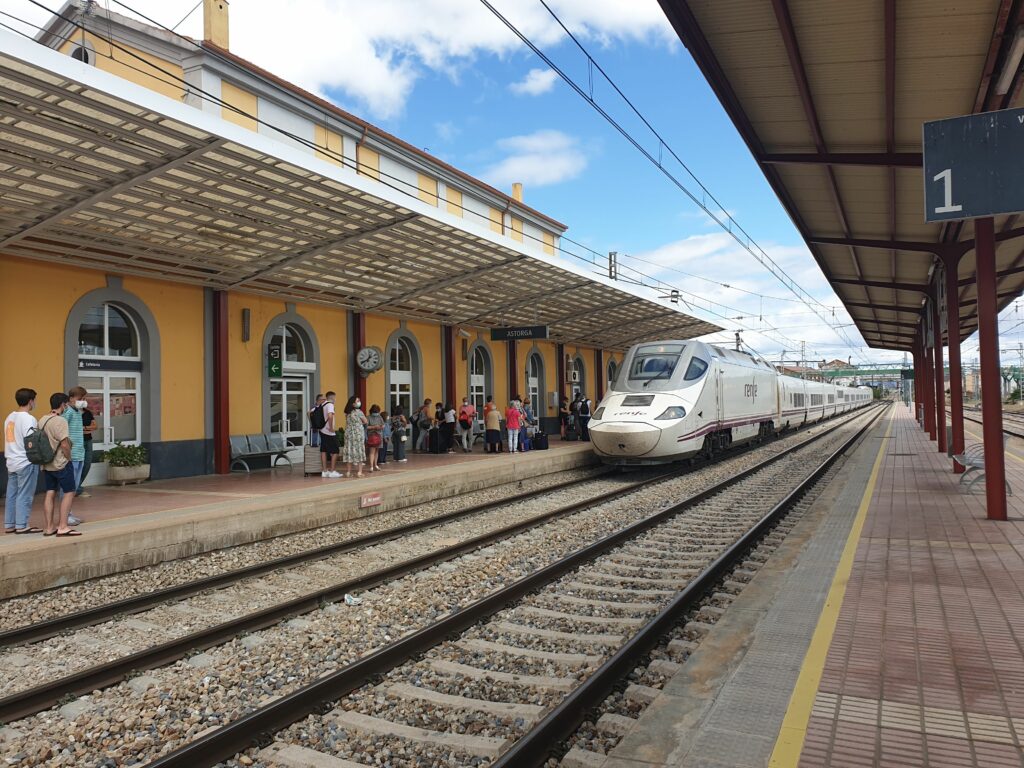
x=674 y=400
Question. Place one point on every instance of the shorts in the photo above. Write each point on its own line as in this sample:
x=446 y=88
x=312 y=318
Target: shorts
x=63 y=479
x=329 y=444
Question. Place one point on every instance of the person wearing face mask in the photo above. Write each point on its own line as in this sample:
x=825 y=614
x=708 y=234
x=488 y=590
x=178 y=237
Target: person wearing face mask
x=329 y=448
x=76 y=434
x=22 y=475
x=467 y=413
x=355 y=437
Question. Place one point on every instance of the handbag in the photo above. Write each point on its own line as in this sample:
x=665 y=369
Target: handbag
x=374 y=439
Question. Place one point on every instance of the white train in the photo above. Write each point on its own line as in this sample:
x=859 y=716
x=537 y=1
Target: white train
x=674 y=400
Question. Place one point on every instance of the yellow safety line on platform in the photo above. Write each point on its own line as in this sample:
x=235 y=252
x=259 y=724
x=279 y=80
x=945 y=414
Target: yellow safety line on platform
x=790 y=743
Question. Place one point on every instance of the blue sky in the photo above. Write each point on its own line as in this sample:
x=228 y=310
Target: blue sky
x=447 y=77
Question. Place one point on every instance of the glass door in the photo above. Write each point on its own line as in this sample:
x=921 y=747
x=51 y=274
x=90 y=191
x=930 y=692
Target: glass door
x=478 y=385
x=533 y=385
x=114 y=401
x=289 y=412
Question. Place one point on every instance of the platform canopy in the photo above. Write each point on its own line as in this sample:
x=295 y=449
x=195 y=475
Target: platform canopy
x=100 y=173
x=830 y=97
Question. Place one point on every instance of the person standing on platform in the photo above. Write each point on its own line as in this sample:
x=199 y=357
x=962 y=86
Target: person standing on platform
x=467 y=413
x=329 y=447
x=316 y=420
x=76 y=434
x=424 y=421
x=22 y=475
x=492 y=426
x=355 y=437
x=399 y=433
x=512 y=424
x=388 y=437
x=563 y=414
x=59 y=474
x=88 y=427
x=584 y=417
x=374 y=437
x=449 y=417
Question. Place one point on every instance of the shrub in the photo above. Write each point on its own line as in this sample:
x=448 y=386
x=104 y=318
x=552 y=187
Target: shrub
x=125 y=455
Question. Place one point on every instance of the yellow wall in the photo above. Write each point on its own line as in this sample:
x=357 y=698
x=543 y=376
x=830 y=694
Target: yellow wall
x=247 y=360
x=454 y=197
x=497 y=220
x=331 y=143
x=367 y=162
x=427 y=189
x=241 y=99
x=549 y=244
x=378 y=329
x=39 y=356
x=131 y=64
x=517 y=229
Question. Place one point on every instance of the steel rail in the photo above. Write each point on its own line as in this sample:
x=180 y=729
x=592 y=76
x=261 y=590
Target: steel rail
x=42 y=630
x=33 y=700
x=534 y=747
x=1010 y=432
x=319 y=696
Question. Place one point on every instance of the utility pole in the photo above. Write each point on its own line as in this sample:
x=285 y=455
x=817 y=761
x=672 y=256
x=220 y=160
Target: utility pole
x=803 y=353
x=737 y=341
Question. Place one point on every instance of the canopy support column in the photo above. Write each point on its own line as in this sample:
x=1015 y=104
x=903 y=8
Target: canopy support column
x=513 y=370
x=449 y=365
x=928 y=389
x=358 y=342
x=991 y=395
x=940 y=376
x=956 y=389
x=221 y=390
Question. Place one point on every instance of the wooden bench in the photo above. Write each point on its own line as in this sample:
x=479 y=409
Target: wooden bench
x=973 y=458
x=245 y=447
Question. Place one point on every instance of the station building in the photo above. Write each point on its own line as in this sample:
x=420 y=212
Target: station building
x=205 y=246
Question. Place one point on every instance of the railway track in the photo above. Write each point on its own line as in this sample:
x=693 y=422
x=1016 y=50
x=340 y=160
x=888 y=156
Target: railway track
x=1013 y=423
x=524 y=663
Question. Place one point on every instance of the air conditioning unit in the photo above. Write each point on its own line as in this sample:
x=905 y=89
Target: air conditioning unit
x=574 y=376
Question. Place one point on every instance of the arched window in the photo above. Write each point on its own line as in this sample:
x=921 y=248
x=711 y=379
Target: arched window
x=535 y=383
x=289 y=393
x=289 y=339
x=479 y=377
x=577 y=375
x=110 y=367
x=401 y=357
x=613 y=370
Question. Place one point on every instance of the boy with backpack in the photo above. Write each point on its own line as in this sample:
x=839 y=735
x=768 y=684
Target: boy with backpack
x=50 y=447
x=317 y=420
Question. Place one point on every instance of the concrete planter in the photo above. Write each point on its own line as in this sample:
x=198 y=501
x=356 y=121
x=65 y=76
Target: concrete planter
x=122 y=475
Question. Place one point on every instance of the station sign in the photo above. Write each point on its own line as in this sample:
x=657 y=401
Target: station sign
x=517 y=334
x=109 y=364
x=374 y=499
x=974 y=166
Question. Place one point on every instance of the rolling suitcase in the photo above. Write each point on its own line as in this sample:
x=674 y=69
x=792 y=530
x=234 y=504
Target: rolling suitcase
x=434 y=440
x=311 y=460
x=540 y=442
x=571 y=434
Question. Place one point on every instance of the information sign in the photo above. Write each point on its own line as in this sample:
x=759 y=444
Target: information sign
x=974 y=166
x=515 y=334
x=274 y=368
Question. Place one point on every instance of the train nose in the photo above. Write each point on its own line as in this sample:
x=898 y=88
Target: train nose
x=624 y=439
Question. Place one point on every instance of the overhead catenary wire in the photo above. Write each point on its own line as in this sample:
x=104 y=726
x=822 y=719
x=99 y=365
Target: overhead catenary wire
x=595 y=258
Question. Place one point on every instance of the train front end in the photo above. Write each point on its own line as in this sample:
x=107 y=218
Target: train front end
x=652 y=412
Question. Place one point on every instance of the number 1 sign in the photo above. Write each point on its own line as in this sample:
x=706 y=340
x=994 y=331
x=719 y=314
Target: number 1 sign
x=974 y=166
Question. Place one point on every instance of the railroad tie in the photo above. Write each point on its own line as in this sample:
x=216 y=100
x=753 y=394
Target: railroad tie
x=622 y=621
x=473 y=673
x=568 y=659
x=280 y=755
x=482 y=746
x=528 y=712
x=552 y=634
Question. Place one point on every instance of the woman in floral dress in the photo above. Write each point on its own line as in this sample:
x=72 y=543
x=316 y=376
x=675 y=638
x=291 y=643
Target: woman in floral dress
x=354 y=452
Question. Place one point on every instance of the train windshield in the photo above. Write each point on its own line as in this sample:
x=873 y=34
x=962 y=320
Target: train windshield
x=655 y=361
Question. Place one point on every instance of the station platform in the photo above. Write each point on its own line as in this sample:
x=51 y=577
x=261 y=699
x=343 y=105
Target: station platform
x=135 y=525
x=887 y=630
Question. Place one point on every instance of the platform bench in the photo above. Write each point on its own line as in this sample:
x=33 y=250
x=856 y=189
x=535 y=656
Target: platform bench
x=973 y=458
x=245 y=447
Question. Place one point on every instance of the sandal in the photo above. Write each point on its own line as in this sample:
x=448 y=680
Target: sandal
x=49 y=533
x=28 y=530
x=69 y=532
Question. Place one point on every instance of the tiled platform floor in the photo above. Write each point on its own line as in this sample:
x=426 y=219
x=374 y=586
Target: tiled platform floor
x=926 y=665
x=116 y=502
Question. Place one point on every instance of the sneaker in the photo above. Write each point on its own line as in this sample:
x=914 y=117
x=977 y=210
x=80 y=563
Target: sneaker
x=334 y=474
x=72 y=520
x=83 y=495
x=401 y=460
x=325 y=474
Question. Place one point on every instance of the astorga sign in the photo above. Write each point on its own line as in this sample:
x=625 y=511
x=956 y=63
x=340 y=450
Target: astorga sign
x=974 y=166
x=515 y=334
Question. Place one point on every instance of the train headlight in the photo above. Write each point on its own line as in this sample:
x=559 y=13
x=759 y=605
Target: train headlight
x=598 y=414
x=672 y=412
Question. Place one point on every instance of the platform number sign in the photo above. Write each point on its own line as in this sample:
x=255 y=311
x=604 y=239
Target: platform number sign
x=974 y=166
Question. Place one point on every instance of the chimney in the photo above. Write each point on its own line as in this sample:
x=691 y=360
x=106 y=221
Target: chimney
x=215 y=22
x=517 y=192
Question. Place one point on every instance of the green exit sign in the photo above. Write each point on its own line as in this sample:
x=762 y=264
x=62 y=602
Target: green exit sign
x=274 y=362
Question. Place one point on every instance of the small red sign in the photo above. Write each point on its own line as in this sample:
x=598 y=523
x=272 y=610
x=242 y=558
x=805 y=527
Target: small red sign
x=370 y=500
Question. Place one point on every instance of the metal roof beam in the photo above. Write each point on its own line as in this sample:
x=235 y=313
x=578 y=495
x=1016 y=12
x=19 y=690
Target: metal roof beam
x=523 y=302
x=443 y=283
x=587 y=313
x=877 y=159
x=882 y=284
x=883 y=307
x=109 y=192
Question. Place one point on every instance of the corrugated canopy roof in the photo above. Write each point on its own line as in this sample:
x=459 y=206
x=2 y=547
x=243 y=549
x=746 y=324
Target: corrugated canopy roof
x=101 y=173
x=830 y=97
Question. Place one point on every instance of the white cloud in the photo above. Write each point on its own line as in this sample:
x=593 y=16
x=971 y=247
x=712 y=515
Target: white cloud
x=537 y=159
x=447 y=131
x=374 y=52
x=536 y=82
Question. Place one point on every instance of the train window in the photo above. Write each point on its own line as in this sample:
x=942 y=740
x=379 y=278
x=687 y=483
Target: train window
x=695 y=370
x=655 y=361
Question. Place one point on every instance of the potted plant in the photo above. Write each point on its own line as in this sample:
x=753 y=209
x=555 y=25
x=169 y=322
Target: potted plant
x=126 y=464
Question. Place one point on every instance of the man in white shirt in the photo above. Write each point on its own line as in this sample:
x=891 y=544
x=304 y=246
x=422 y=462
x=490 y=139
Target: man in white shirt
x=329 y=447
x=22 y=475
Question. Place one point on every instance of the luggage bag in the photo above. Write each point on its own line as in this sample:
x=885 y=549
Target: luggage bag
x=434 y=440
x=540 y=442
x=571 y=434
x=311 y=460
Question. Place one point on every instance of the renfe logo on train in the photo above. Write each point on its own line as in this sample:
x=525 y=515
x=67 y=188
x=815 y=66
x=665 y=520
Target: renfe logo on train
x=750 y=390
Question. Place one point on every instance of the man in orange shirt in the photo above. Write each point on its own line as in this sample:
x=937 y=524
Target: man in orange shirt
x=467 y=413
